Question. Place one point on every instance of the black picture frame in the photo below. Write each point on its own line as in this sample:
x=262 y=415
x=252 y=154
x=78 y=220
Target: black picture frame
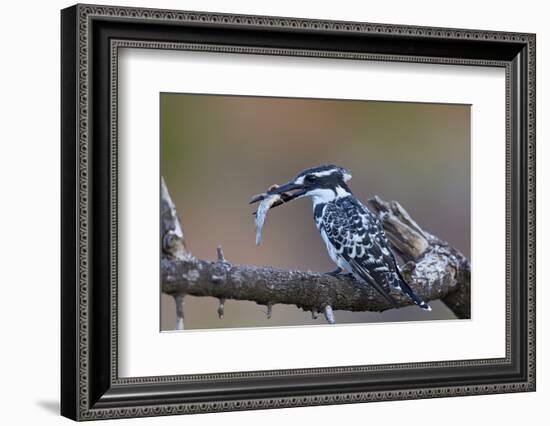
x=90 y=386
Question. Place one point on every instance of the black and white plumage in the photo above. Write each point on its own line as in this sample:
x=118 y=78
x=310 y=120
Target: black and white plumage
x=353 y=235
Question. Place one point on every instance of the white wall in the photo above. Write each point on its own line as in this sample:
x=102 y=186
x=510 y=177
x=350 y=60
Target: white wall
x=29 y=227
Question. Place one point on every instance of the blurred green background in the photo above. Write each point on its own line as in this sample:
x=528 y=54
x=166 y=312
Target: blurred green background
x=217 y=151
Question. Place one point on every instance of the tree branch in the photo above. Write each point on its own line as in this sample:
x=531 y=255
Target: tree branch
x=434 y=270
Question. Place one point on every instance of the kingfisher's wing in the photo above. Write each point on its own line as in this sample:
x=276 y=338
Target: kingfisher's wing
x=358 y=238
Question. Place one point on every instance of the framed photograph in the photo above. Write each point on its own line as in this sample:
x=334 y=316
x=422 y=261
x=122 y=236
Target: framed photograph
x=264 y=212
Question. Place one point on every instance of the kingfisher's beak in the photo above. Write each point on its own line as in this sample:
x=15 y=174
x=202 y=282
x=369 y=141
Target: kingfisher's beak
x=287 y=192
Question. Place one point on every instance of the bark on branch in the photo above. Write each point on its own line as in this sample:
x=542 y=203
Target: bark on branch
x=433 y=268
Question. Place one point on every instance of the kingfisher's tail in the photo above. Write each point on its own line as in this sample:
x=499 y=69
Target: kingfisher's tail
x=405 y=288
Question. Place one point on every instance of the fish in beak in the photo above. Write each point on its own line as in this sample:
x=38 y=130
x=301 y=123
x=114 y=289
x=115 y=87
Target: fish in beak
x=324 y=182
x=280 y=194
x=275 y=196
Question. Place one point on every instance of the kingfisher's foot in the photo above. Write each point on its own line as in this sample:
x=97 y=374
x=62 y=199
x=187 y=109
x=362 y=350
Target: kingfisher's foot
x=335 y=273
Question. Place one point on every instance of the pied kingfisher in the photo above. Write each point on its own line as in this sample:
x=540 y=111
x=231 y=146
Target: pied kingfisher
x=354 y=236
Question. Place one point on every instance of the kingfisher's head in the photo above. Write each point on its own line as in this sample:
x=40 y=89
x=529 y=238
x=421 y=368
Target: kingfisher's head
x=323 y=184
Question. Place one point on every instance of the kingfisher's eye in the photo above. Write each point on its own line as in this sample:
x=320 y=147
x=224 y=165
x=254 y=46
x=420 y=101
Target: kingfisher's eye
x=311 y=178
